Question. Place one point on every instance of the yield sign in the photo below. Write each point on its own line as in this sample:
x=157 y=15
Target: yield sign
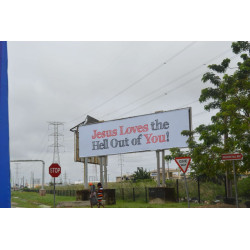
x=183 y=163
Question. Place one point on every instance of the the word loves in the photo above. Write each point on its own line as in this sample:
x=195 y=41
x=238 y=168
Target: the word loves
x=133 y=130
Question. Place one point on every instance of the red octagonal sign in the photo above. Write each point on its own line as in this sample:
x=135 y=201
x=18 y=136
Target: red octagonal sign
x=54 y=170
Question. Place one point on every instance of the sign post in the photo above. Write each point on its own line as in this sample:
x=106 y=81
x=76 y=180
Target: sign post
x=183 y=163
x=54 y=171
x=233 y=157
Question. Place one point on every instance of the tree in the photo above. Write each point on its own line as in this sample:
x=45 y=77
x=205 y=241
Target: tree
x=141 y=174
x=175 y=152
x=229 y=131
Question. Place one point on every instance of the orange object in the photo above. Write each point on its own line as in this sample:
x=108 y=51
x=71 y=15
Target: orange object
x=90 y=184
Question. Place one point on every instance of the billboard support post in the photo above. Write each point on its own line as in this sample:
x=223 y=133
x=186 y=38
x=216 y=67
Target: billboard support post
x=101 y=169
x=86 y=173
x=158 y=168
x=105 y=174
x=163 y=169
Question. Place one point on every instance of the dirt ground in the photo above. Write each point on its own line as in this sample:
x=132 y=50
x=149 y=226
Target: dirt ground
x=221 y=205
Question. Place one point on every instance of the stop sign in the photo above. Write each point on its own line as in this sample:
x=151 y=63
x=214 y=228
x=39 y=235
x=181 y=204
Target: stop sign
x=54 y=170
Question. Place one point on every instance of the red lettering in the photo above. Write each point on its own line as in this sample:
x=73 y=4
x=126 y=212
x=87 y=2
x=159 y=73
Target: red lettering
x=121 y=130
x=94 y=136
x=103 y=134
x=139 y=129
x=99 y=135
x=154 y=139
x=134 y=129
x=162 y=138
x=145 y=128
x=148 y=138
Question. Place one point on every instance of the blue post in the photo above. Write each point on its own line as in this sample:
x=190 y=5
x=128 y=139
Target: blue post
x=5 y=190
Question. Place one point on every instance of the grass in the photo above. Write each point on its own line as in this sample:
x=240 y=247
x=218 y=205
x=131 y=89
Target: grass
x=34 y=200
x=122 y=204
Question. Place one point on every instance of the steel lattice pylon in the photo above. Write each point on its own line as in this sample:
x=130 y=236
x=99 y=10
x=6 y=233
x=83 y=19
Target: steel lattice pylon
x=56 y=145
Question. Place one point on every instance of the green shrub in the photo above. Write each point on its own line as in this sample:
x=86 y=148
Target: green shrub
x=244 y=187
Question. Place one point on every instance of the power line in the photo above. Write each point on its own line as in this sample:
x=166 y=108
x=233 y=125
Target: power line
x=172 y=90
x=159 y=96
x=187 y=104
x=171 y=82
x=137 y=81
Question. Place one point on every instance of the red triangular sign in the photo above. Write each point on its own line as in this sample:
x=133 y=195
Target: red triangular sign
x=183 y=163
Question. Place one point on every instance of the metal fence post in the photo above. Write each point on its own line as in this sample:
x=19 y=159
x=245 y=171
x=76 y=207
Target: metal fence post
x=225 y=182
x=123 y=194
x=199 y=193
x=177 y=189
x=186 y=190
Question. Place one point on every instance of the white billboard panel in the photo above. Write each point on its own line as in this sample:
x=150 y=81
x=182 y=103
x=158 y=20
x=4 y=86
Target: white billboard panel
x=140 y=133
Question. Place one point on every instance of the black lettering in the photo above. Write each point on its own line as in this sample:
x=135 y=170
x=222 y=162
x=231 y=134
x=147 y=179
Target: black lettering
x=95 y=145
x=165 y=125
x=114 y=143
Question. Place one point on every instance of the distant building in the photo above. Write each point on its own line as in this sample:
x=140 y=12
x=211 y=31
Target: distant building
x=170 y=174
x=78 y=182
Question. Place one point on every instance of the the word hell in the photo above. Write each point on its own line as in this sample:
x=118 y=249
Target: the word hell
x=54 y=170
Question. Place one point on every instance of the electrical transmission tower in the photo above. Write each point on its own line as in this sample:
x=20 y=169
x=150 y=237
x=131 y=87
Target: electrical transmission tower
x=56 y=145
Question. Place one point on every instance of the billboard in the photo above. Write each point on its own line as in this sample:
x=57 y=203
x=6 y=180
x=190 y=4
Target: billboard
x=155 y=131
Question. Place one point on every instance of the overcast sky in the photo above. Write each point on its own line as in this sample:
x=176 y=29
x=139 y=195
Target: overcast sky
x=64 y=81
